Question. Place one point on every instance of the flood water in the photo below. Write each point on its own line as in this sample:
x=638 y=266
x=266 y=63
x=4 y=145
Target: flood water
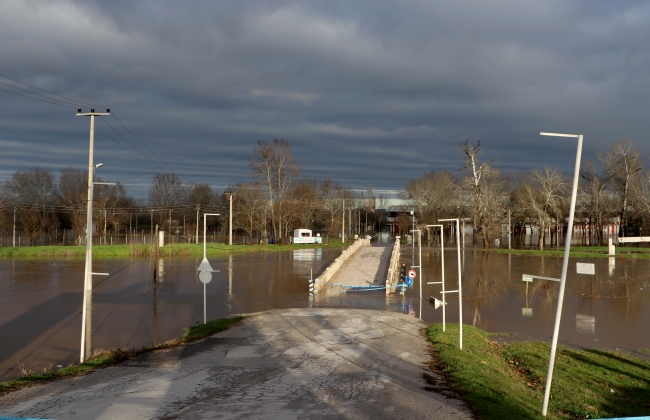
x=41 y=300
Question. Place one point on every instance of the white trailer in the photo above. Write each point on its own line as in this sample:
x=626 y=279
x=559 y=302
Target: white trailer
x=304 y=236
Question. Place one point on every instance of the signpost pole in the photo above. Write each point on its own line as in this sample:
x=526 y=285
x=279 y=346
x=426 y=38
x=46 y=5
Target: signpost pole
x=205 y=270
x=460 y=286
x=565 y=264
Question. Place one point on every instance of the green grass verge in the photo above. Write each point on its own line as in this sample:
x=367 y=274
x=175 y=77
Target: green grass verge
x=506 y=381
x=103 y=358
x=139 y=250
x=580 y=252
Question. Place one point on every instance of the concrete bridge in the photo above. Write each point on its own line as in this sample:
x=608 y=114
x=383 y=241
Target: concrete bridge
x=362 y=265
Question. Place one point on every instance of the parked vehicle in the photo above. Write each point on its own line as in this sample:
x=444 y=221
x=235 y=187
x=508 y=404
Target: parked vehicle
x=304 y=236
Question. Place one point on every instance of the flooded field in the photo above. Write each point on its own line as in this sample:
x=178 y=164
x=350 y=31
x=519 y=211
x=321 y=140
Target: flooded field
x=40 y=300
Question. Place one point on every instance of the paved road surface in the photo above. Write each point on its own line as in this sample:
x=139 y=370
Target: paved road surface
x=281 y=364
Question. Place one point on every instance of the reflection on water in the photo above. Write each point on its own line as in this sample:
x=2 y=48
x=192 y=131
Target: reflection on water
x=496 y=298
x=40 y=301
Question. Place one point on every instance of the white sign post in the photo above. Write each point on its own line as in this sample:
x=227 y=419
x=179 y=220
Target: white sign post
x=205 y=269
x=565 y=266
x=460 y=285
x=585 y=268
x=419 y=263
x=442 y=266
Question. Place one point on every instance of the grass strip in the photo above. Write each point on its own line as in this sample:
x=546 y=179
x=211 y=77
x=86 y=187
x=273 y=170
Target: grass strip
x=102 y=358
x=506 y=380
x=580 y=252
x=144 y=250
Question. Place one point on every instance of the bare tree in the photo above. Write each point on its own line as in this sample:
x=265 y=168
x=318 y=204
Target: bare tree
x=112 y=205
x=166 y=191
x=273 y=165
x=593 y=200
x=73 y=194
x=250 y=208
x=431 y=194
x=543 y=197
x=199 y=196
x=622 y=163
x=641 y=194
x=476 y=182
x=33 y=193
x=303 y=204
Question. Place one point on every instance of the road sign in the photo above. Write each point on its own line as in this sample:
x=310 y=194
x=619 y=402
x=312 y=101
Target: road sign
x=205 y=271
x=585 y=268
x=412 y=274
x=205 y=277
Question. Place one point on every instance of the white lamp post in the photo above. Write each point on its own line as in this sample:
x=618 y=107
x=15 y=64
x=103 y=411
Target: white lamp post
x=442 y=266
x=460 y=283
x=565 y=264
x=420 y=263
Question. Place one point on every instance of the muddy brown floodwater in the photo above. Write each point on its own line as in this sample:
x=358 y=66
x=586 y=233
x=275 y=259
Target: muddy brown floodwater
x=40 y=300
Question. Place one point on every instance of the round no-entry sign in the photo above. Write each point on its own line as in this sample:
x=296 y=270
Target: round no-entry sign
x=412 y=274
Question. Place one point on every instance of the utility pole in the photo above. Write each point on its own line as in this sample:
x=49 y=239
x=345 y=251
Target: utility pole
x=14 y=241
x=230 y=197
x=197 y=224
x=350 y=221
x=343 y=222
x=170 y=220
x=151 y=225
x=88 y=284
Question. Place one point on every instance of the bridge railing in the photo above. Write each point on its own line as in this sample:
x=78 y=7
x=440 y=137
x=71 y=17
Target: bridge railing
x=393 y=269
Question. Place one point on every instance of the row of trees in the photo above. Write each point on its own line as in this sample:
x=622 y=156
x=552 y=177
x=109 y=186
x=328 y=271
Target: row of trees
x=614 y=187
x=275 y=201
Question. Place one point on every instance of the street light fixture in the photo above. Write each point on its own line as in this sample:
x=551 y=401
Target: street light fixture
x=565 y=264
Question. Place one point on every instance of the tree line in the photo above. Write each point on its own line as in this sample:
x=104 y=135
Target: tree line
x=275 y=201
x=613 y=188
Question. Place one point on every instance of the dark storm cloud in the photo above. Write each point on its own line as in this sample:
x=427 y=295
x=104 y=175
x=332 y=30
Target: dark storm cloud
x=371 y=91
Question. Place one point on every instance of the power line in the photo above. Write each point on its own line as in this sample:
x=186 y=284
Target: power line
x=152 y=152
x=75 y=104
x=143 y=155
x=38 y=94
x=128 y=151
x=36 y=99
x=51 y=93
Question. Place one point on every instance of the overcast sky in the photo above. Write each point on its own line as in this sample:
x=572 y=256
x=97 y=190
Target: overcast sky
x=365 y=91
